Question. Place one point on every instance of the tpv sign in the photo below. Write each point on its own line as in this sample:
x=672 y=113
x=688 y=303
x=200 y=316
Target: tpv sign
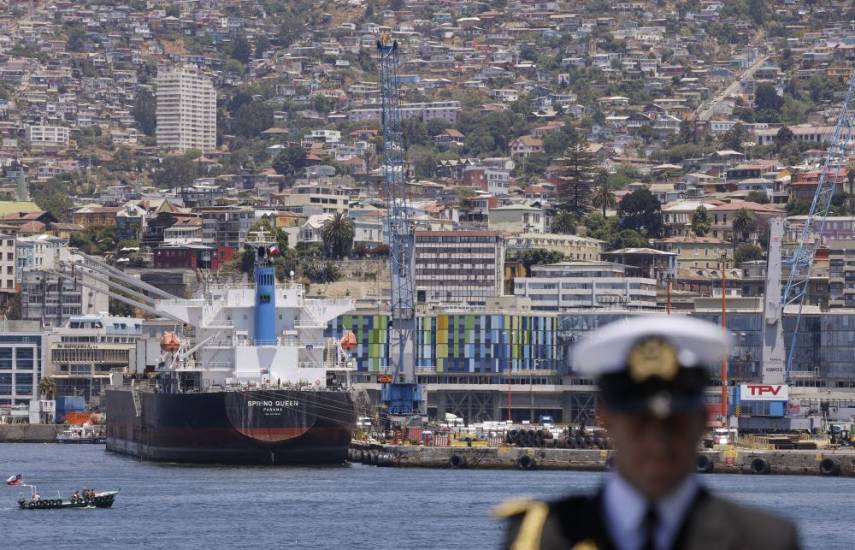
x=764 y=392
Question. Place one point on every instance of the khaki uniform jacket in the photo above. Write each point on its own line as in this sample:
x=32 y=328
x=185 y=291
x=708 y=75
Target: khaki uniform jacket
x=577 y=523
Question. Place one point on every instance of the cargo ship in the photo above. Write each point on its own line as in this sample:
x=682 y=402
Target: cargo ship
x=259 y=385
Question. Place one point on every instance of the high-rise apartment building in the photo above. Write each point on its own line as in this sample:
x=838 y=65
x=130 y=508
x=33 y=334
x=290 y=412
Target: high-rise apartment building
x=186 y=110
x=459 y=266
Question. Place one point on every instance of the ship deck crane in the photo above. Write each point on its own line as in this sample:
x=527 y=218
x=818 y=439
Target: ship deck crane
x=811 y=234
x=402 y=395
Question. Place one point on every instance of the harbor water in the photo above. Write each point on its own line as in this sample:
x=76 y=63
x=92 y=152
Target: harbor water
x=170 y=506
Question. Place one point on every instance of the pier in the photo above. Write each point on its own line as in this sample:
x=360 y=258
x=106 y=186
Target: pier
x=729 y=460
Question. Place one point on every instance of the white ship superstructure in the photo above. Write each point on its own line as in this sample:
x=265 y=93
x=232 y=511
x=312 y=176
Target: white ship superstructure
x=224 y=326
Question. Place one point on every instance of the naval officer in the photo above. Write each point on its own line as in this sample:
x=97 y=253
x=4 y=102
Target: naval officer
x=651 y=373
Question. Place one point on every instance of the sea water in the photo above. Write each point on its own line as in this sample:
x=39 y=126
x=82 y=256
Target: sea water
x=169 y=506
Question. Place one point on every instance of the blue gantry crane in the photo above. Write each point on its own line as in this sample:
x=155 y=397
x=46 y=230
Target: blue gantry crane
x=811 y=235
x=401 y=393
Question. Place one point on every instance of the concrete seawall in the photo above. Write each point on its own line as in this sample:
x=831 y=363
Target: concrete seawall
x=740 y=461
x=29 y=433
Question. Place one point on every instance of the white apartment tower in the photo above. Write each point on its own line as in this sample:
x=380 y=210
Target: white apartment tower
x=186 y=109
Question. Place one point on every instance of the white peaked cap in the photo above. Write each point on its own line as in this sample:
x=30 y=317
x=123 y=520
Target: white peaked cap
x=697 y=343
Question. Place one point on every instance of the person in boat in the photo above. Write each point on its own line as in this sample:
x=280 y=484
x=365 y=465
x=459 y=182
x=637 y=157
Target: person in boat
x=75 y=497
x=651 y=373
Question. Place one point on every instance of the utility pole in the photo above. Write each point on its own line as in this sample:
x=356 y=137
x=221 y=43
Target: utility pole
x=724 y=329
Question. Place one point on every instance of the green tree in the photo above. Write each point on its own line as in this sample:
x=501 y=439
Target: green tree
x=767 y=98
x=290 y=162
x=599 y=227
x=241 y=49
x=628 y=238
x=337 y=233
x=784 y=137
x=564 y=223
x=262 y=44
x=321 y=272
x=759 y=197
x=47 y=387
x=603 y=197
x=744 y=224
x=57 y=202
x=537 y=256
x=175 y=171
x=575 y=178
x=747 y=252
x=701 y=222
x=76 y=39
x=144 y=112
x=733 y=138
x=687 y=132
x=641 y=212
x=252 y=119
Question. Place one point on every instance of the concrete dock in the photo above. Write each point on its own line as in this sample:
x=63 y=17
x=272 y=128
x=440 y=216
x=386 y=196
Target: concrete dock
x=29 y=433
x=735 y=461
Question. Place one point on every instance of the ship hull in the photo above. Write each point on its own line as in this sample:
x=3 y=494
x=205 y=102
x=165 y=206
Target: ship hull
x=239 y=427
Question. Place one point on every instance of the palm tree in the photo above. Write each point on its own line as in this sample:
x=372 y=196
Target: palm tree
x=47 y=387
x=744 y=223
x=603 y=196
x=337 y=233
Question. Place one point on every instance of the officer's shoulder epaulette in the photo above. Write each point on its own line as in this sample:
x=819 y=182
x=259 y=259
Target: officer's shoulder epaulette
x=515 y=507
x=528 y=518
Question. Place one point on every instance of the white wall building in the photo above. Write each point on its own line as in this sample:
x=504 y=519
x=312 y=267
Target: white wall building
x=48 y=136
x=39 y=252
x=186 y=110
x=7 y=264
x=574 y=285
x=517 y=218
x=459 y=266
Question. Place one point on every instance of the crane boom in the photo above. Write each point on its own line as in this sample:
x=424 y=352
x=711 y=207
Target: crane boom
x=402 y=395
x=811 y=234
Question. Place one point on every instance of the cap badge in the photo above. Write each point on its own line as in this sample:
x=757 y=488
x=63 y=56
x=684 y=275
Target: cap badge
x=653 y=357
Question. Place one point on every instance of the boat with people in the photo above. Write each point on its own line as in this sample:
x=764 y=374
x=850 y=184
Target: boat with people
x=87 y=498
x=86 y=433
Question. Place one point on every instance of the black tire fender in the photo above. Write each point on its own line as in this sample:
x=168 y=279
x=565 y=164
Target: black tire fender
x=457 y=461
x=829 y=467
x=526 y=462
x=760 y=466
x=704 y=465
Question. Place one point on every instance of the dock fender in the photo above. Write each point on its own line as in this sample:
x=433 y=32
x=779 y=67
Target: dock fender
x=704 y=465
x=526 y=462
x=829 y=467
x=372 y=458
x=457 y=461
x=760 y=466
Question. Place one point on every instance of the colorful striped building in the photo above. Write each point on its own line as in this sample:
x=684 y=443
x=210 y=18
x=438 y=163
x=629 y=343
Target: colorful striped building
x=458 y=343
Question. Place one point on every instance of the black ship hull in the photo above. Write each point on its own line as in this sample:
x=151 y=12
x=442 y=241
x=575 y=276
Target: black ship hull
x=232 y=427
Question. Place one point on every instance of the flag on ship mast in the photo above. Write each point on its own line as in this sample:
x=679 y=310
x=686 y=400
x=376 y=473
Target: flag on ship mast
x=15 y=480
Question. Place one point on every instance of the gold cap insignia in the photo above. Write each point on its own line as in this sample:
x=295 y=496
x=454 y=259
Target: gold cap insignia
x=587 y=544
x=653 y=357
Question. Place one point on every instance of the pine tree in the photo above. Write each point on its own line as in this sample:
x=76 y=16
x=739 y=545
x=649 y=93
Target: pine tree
x=576 y=178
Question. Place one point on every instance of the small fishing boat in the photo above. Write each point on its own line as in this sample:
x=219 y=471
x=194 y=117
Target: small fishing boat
x=83 y=434
x=89 y=499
